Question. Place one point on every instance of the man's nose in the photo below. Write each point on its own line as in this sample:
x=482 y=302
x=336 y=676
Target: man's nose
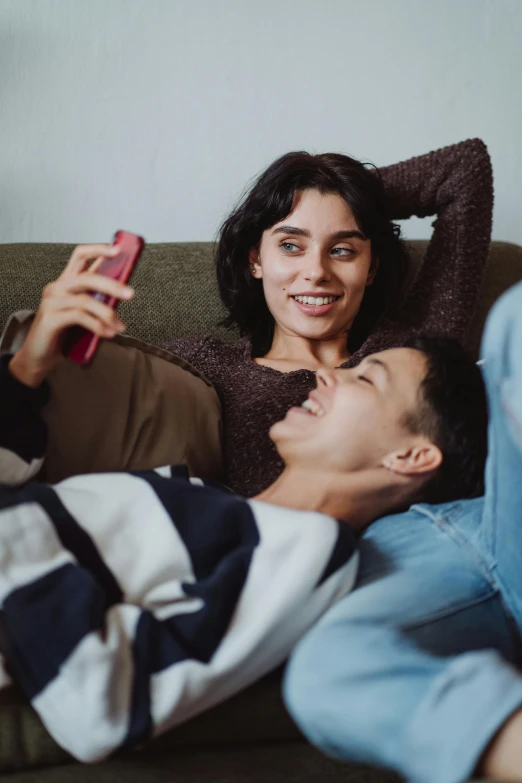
x=325 y=377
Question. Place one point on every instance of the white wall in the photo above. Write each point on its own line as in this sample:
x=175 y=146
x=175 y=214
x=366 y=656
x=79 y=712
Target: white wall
x=152 y=115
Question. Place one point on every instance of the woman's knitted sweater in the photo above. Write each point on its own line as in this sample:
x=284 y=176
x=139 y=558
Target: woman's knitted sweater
x=455 y=184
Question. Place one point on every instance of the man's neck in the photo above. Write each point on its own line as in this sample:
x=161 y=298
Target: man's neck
x=357 y=498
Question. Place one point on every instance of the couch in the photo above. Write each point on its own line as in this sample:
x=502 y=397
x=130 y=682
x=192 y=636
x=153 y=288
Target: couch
x=249 y=738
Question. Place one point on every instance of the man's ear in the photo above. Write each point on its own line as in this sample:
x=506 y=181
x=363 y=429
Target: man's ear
x=414 y=461
x=255 y=265
x=374 y=267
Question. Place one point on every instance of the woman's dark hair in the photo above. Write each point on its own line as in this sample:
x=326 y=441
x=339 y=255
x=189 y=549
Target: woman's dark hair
x=453 y=413
x=269 y=201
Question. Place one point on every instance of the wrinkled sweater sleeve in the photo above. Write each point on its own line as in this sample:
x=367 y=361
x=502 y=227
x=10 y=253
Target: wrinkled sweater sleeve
x=23 y=434
x=455 y=184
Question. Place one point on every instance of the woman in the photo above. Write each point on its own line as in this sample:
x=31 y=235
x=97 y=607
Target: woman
x=312 y=272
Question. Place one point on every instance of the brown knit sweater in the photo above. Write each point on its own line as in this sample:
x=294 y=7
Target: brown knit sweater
x=455 y=184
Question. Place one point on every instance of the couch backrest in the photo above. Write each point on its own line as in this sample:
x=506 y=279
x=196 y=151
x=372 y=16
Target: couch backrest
x=176 y=292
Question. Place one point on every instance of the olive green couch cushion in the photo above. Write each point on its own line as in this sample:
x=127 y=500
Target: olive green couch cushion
x=176 y=291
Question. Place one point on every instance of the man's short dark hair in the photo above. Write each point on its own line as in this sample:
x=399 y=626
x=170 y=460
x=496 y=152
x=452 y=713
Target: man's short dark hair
x=453 y=413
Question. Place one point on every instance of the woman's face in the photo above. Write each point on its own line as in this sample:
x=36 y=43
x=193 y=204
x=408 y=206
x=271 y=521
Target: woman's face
x=315 y=266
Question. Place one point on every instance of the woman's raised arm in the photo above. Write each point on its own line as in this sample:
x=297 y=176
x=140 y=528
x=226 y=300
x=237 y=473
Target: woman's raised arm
x=454 y=183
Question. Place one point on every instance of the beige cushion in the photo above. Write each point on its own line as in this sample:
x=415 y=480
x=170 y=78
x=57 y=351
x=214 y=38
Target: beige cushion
x=135 y=407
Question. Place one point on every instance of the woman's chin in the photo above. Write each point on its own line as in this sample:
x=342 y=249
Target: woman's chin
x=322 y=332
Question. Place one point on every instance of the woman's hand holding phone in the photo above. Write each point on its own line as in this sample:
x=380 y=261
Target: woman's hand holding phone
x=68 y=302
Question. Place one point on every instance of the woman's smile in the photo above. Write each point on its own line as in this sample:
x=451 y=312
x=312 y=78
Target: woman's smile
x=317 y=305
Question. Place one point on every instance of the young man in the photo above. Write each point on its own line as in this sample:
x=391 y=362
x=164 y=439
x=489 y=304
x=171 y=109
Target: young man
x=130 y=602
x=415 y=669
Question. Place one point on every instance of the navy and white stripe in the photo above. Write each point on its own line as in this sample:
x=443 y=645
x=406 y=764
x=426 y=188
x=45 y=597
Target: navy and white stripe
x=131 y=602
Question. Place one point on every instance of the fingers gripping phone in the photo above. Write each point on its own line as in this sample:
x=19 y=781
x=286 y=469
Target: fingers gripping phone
x=81 y=344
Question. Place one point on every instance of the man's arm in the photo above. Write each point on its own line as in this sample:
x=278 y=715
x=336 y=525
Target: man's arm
x=23 y=435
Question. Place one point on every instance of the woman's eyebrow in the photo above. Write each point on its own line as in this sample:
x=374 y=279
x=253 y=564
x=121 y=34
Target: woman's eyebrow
x=302 y=232
x=351 y=234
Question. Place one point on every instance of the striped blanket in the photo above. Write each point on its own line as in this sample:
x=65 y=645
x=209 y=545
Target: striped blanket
x=131 y=602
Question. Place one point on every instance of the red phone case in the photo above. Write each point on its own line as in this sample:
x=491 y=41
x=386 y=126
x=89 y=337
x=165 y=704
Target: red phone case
x=120 y=267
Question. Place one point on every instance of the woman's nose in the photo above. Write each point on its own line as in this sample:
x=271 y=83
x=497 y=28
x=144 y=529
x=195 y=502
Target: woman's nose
x=317 y=269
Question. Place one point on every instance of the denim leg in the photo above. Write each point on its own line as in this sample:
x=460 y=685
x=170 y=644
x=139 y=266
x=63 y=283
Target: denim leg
x=413 y=670
x=379 y=679
x=502 y=523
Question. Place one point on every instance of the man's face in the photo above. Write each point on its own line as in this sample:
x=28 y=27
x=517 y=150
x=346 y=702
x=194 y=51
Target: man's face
x=354 y=418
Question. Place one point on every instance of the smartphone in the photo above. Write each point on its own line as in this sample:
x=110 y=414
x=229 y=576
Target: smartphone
x=80 y=344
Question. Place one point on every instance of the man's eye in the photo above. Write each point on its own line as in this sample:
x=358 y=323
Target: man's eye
x=289 y=247
x=364 y=378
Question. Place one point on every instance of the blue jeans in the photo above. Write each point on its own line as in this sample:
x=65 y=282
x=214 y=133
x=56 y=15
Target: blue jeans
x=414 y=670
